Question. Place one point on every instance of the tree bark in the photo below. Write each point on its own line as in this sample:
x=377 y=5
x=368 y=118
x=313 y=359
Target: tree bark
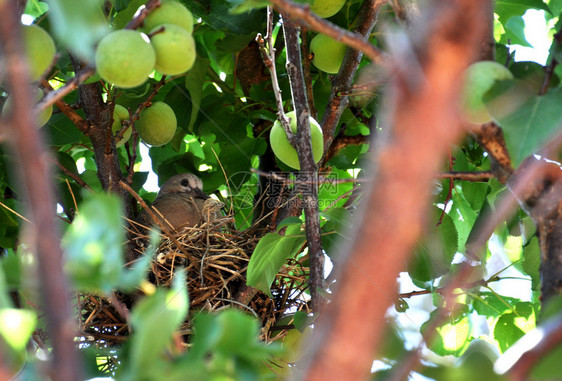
x=423 y=122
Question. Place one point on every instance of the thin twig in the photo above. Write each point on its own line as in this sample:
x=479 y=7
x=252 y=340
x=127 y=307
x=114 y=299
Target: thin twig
x=267 y=51
x=302 y=15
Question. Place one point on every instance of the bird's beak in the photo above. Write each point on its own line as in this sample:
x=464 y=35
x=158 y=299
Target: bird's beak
x=201 y=194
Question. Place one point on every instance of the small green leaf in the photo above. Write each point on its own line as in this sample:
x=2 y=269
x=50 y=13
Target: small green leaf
x=79 y=25
x=508 y=8
x=532 y=124
x=154 y=320
x=270 y=254
x=16 y=327
x=94 y=244
x=194 y=81
x=515 y=31
x=506 y=332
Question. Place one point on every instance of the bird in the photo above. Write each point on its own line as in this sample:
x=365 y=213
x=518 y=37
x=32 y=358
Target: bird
x=180 y=203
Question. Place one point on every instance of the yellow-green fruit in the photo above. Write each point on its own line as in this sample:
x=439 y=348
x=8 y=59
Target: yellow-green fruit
x=169 y=12
x=39 y=48
x=328 y=53
x=326 y=8
x=283 y=149
x=43 y=116
x=157 y=124
x=175 y=49
x=479 y=78
x=124 y=58
x=120 y=114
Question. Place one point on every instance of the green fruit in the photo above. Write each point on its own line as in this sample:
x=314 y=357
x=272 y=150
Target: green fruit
x=285 y=152
x=175 y=49
x=326 y=8
x=157 y=124
x=479 y=78
x=120 y=114
x=43 y=116
x=328 y=53
x=169 y=12
x=124 y=58
x=39 y=48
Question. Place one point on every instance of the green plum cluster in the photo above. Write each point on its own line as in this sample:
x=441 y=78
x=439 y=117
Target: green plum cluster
x=127 y=57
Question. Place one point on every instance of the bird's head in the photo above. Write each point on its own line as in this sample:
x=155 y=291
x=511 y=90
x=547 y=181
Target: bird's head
x=186 y=183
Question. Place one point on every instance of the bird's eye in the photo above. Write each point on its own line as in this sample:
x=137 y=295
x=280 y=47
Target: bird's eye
x=184 y=183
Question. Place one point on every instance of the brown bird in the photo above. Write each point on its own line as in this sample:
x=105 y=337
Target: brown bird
x=180 y=203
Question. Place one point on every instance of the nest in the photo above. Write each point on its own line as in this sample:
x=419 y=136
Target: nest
x=215 y=257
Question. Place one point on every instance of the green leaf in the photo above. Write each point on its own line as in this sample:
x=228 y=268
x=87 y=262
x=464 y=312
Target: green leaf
x=270 y=254
x=194 y=81
x=216 y=13
x=16 y=327
x=242 y=6
x=509 y=8
x=435 y=251
x=94 y=244
x=493 y=305
x=79 y=25
x=515 y=31
x=532 y=262
x=35 y=8
x=506 y=332
x=154 y=320
x=452 y=338
x=532 y=124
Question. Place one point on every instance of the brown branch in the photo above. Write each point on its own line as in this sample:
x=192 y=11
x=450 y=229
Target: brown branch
x=302 y=15
x=348 y=334
x=338 y=102
x=55 y=97
x=303 y=144
x=72 y=175
x=267 y=51
x=35 y=175
x=490 y=137
x=67 y=110
x=343 y=141
x=467 y=176
x=139 y=19
x=307 y=77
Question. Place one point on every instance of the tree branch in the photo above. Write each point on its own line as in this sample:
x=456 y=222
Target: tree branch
x=309 y=171
x=348 y=333
x=302 y=15
x=338 y=101
x=35 y=176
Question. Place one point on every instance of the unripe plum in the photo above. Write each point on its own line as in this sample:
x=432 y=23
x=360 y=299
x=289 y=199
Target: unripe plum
x=283 y=149
x=328 y=53
x=43 y=116
x=326 y=8
x=175 y=49
x=39 y=48
x=169 y=12
x=120 y=114
x=124 y=58
x=157 y=124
